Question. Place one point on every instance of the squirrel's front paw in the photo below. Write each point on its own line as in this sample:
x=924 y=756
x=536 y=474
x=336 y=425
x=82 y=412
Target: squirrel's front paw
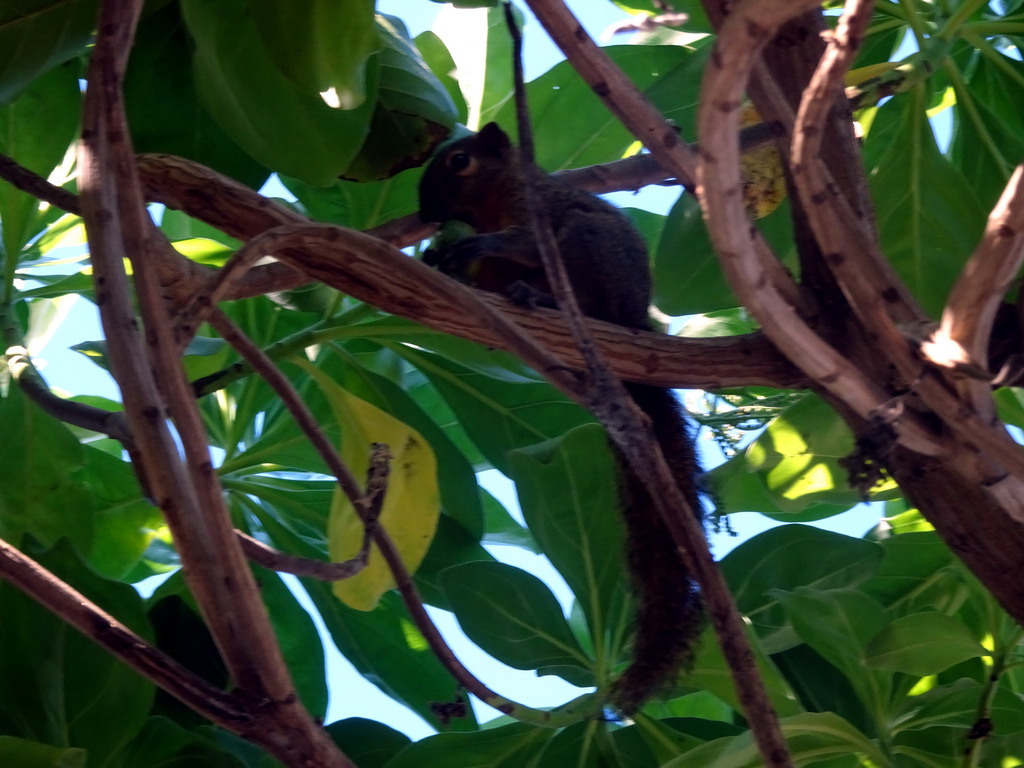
x=526 y=295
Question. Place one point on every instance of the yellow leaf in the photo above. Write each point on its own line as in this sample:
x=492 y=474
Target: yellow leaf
x=764 y=184
x=412 y=503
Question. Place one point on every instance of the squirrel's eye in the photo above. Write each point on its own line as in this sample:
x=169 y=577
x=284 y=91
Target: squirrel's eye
x=461 y=163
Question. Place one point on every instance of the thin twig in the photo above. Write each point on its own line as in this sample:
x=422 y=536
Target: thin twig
x=89 y=417
x=650 y=465
x=22 y=178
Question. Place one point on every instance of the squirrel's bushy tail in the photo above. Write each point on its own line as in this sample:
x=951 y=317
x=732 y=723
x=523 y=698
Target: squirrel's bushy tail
x=669 y=618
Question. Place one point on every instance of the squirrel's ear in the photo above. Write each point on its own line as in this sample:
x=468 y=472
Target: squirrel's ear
x=494 y=140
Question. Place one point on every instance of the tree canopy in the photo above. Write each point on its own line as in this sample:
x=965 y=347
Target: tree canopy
x=299 y=395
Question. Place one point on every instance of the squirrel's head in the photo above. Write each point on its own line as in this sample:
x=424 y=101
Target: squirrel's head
x=464 y=176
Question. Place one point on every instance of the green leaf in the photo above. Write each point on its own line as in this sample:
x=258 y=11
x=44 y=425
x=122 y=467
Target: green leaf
x=298 y=639
x=786 y=558
x=40 y=495
x=36 y=35
x=929 y=217
x=320 y=47
x=57 y=686
x=796 y=459
x=437 y=56
x=359 y=205
x=838 y=624
x=35 y=130
x=922 y=644
x=165 y=743
x=510 y=746
x=383 y=645
x=283 y=127
x=480 y=44
x=31 y=754
x=503 y=411
x=987 y=144
x=163 y=107
x=956 y=706
x=568 y=490
x=910 y=562
x=573 y=128
x=367 y=743
x=414 y=111
x=452 y=545
x=687 y=275
x=811 y=738
x=512 y=615
x=711 y=673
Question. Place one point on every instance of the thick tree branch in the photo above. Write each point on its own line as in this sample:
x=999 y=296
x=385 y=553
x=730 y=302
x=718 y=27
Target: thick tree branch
x=118 y=228
x=740 y=40
x=964 y=334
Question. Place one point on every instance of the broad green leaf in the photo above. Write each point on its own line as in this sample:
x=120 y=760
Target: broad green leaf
x=911 y=561
x=165 y=743
x=820 y=687
x=922 y=644
x=359 y=205
x=411 y=503
x=163 y=107
x=512 y=615
x=480 y=45
x=298 y=639
x=40 y=495
x=786 y=558
x=838 y=624
x=452 y=545
x=502 y=528
x=31 y=754
x=687 y=275
x=987 y=144
x=367 y=743
x=929 y=218
x=956 y=706
x=124 y=523
x=283 y=127
x=501 y=412
x=56 y=685
x=383 y=645
x=35 y=130
x=36 y=35
x=439 y=59
x=811 y=737
x=510 y=746
x=414 y=111
x=797 y=460
x=588 y=745
x=574 y=129
x=569 y=493
x=710 y=672
x=321 y=46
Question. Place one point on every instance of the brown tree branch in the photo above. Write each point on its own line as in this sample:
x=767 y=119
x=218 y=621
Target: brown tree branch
x=740 y=40
x=106 y=631
x=640 y=117
x=118 y=228
x=964 y=334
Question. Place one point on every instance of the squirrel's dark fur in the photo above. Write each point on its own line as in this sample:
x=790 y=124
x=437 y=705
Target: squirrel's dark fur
x=477 y=180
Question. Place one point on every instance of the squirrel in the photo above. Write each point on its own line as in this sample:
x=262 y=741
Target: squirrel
x=474 y=186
